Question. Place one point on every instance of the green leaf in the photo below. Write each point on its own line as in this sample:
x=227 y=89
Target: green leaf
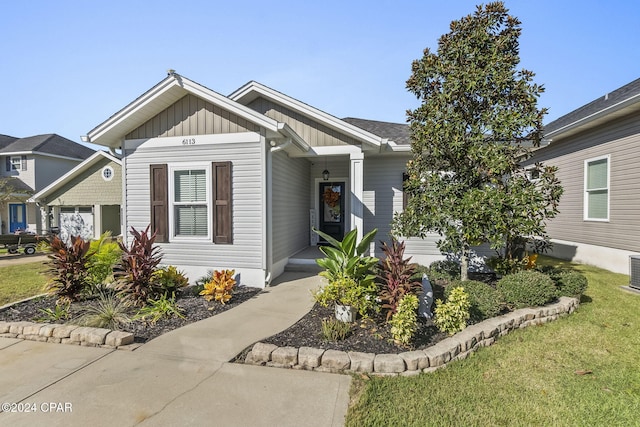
x=349 y=242
x=329 y=239
x=366 y=241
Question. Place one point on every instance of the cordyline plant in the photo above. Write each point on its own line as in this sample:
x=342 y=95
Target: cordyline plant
x=134 y=272
x=68 y=267
x=477 y=124
x=395 y=275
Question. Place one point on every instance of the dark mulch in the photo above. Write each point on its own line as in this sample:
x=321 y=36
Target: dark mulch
x=194 y=307
x=371 y=335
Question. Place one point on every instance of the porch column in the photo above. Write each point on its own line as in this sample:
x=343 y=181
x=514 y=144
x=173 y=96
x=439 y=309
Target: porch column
x=356 y=177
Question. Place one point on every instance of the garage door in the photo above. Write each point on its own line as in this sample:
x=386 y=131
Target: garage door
x=76 y=222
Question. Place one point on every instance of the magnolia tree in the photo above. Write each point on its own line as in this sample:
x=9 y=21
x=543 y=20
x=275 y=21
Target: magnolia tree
x=477 y=123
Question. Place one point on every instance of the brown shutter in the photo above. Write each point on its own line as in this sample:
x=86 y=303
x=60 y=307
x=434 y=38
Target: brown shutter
x=159 y=202
x=23 y=160
x=8 y=163
x=222 y=218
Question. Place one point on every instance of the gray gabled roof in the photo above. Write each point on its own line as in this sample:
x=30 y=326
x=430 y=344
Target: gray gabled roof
x=615 y=101
x=51 y=144
x=18 y=185
x=396 y=132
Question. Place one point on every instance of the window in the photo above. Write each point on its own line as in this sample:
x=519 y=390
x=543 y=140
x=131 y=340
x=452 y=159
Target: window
x=190 y=200
x=596 y=186
x=107 y=173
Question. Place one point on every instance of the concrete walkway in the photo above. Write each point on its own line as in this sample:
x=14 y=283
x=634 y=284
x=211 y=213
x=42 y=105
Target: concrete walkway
x=180 y=378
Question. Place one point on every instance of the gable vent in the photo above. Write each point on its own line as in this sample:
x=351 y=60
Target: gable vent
x=634 y=271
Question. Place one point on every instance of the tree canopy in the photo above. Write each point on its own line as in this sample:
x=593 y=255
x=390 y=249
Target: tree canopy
x=477 y=123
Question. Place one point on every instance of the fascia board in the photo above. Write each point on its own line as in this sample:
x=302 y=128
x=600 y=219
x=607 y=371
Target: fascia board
x=78 y=169
x=307 y=110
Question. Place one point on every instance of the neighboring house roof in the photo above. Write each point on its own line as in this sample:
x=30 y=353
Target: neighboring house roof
x=18 y=185
x=73 y=173
x=397 y=132
x=48 y=144
x=620 y=102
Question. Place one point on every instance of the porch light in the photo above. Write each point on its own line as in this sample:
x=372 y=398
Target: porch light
x=325 y=172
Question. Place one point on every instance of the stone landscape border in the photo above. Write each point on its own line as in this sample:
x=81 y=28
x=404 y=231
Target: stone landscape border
x=68 y=334
x=409 y=363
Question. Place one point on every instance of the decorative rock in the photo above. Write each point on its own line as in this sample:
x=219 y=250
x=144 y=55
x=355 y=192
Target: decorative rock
x=54 y=340
x=4 y=327
x=415 y=360
x=118 y=338
x=388 y=363
x=79 y=334
x=64 y=331
x=410 y=373
x=285 y=356
x=336 y=360
x=248 y=359
x=130 y=347
x=17 y=327
x=361 y=362
x=262 y=352
x=48 y=328
x=32 y=329
x=436 y=358
x=96 y=335
x=309 y=358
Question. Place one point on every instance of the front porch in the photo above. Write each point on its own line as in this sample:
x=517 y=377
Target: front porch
x=305 y=260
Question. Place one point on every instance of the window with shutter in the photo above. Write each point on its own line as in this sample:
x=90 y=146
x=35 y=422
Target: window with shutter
x=596 y=189
x=190 y=203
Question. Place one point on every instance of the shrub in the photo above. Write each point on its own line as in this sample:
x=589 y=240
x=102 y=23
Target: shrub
x=220 y=287
x=452 y=316
x=485 y=300
x=404 y=322
x=443 y=270
x=68 y=268
x=335 y=330
x=346 y=291
x=157 y=309
x=106 y=254
x=135 y=270
x=169 y=279
x=396 y=276
x=570 y=283
x=109 y=312
x=61 y=311
x=527 y=288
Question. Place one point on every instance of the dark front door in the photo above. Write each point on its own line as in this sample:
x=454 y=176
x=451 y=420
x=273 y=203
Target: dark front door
x=17 y=217
x=332 y=209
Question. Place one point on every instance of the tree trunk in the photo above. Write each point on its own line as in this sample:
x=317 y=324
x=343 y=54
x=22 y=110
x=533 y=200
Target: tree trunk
x=464 y=263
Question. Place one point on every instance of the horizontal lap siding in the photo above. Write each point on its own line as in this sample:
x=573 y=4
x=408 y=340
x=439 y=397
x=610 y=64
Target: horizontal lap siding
x=291 y=184
x=89 y=188
x=247 y=172
x=382 y=197
x=621 y=140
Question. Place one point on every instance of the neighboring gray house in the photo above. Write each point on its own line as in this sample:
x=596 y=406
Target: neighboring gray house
x=238 y=181
x=31 y=164
x=596 y=149
x=86 y=200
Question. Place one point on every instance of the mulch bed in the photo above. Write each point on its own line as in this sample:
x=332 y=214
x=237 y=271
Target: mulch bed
x=194 y=307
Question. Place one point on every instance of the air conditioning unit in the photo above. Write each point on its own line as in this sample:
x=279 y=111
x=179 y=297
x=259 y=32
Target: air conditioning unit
x=634 y=271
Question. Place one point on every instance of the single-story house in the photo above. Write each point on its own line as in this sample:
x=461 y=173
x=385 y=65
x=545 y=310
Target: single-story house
x=28 y=165
x=239 y=181
x=86 y=200
x=595 y=149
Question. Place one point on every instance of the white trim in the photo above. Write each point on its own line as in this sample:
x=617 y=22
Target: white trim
x=356 y=172
x=586 y=191
x=331 y=121
x=192 y=140
x=182 y=166
x=39 y=153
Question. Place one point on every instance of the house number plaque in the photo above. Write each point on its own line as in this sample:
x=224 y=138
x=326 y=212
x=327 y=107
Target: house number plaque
x=188 y=141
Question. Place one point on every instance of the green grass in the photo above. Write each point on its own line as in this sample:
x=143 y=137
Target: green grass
x=21 y=281
x=530 y=377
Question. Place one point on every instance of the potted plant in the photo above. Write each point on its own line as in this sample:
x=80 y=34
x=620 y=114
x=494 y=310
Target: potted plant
x=351 y=282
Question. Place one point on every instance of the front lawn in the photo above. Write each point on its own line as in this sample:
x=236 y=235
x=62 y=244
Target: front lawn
x=21 y=281
x=579 y=370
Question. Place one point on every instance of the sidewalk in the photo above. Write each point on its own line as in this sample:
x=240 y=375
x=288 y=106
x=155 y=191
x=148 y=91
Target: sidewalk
x=180 y=378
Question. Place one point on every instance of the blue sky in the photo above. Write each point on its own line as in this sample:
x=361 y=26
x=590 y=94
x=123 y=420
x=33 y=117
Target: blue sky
x=69 y=65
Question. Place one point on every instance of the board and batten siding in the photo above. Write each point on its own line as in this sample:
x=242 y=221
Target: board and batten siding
x=290 y=192
x=620 y=139
x=89 y=188
x=192 y=115
x=247 y=173
x=314 y=133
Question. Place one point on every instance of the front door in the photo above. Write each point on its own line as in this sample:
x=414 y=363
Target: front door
x=17 y=217
x=332 y=206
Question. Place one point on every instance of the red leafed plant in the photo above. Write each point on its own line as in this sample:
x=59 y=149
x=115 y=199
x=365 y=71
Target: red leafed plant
x=395 y=276
x=134 y=273
x=68 y=267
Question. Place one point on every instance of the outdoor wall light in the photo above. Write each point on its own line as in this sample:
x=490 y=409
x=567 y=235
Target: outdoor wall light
x=325 y=172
